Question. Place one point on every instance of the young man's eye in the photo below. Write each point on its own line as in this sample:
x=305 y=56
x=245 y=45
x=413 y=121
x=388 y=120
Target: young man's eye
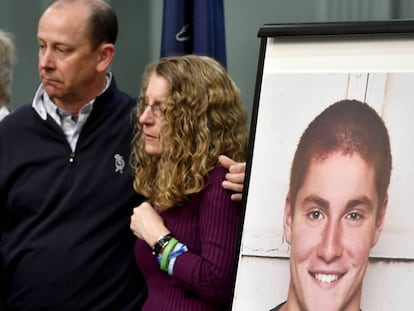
x=354 y=216
x=315 y=215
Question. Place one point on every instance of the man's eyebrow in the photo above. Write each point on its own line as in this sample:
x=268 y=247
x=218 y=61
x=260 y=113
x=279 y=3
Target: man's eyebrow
x=363 y=200
x=322 y=203
x=316 y=200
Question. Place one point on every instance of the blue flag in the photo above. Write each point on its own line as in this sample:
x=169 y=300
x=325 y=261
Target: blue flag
x=194 y=27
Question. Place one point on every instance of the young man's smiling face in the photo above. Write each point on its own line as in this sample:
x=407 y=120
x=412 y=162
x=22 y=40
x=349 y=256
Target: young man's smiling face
x=331 y=230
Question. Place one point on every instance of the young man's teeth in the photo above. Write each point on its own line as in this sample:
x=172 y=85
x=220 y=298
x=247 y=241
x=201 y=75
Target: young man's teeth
x=326 y=278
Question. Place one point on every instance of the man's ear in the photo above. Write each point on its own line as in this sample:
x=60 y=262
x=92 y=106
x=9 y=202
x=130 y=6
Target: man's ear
x=379 y=224
x=106 y=52
x=287 y=220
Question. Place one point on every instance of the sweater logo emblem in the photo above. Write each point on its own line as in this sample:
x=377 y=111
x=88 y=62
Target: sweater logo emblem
x=119 y=163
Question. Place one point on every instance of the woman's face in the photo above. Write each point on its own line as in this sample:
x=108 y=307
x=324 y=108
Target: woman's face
x=151 y=118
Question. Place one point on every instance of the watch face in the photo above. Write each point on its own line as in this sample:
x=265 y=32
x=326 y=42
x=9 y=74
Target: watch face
x=161 y=243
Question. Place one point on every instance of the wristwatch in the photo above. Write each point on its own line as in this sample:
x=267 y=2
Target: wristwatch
x=161 y=243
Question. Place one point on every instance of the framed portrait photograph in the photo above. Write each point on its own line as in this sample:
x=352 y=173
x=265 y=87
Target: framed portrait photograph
x=302 y=70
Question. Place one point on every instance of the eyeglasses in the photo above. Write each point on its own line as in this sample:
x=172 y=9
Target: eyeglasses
x=156 y=108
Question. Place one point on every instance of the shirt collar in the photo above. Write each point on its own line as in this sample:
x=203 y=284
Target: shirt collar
x=4 y=111
x=43 y=105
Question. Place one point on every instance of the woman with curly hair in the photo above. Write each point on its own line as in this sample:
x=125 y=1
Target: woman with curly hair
x=188 y=114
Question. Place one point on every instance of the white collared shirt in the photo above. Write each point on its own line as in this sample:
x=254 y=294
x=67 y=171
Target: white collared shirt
x=70 y=126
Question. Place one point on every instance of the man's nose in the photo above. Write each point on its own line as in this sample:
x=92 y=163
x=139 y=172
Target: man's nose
x=330 y=246
x=46 y=59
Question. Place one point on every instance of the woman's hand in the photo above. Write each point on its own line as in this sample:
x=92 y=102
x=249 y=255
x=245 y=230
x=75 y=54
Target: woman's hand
x=147 y=224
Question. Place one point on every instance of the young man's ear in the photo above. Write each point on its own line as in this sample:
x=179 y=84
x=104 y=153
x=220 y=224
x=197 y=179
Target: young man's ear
x=379 y=224
x=106 y=52
x=287 y=220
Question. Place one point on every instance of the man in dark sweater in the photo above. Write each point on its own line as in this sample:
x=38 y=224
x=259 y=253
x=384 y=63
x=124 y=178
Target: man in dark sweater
x=66 y=191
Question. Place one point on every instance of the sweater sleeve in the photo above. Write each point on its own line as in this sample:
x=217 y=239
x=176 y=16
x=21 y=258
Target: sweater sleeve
x=210 y=274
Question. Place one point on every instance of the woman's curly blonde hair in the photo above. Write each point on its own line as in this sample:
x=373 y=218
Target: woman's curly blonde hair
x=203 y=118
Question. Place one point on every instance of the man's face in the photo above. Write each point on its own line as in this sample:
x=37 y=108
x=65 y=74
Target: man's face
x=331 y=232
x=67 y=62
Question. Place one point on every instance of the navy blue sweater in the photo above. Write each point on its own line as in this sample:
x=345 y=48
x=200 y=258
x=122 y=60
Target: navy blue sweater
x=65 y=237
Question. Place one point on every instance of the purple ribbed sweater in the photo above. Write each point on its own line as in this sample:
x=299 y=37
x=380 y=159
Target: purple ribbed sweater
x=202 y=279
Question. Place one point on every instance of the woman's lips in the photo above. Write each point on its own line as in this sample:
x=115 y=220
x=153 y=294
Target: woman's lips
x=150 y=137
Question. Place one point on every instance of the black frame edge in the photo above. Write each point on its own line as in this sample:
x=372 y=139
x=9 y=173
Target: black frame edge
x=337 y=28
